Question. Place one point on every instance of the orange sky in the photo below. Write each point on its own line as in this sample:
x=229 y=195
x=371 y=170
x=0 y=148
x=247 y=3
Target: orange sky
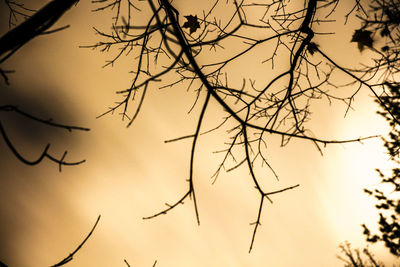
x=131 y=173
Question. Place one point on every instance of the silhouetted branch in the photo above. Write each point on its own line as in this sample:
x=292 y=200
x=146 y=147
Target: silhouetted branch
x=3 y=73
x=43 y=155
x=277 y=103
x=49 y=122
x=362 y=82
x=354 y=258
x=127 y=263
x=190 y=192
x=258 y=221
x=17 y=10
x=170 y=207
x=71 y=255
x=35 y=25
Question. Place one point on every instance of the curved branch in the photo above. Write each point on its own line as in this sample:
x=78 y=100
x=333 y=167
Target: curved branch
x=72 y=254
x=43 y=155
x=11 y=108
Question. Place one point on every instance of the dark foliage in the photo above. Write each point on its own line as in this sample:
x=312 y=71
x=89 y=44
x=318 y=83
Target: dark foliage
x=383 y=17
x=389 y=203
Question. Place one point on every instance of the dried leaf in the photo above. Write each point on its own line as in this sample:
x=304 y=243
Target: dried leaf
x=362 y=38
x=192 y=23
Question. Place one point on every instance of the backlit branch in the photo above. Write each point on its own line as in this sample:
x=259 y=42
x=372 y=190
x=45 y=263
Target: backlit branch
x=43 y=155
x=72 y=254
x=201 y=49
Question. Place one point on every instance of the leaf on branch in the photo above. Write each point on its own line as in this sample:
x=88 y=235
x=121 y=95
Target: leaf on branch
x=192 y=23
x=362 y=38
x=312 y=48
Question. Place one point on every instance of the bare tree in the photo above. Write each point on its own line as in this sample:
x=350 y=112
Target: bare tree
x=188 y=49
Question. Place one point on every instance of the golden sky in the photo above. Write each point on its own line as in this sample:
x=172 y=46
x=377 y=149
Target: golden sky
x=130 y=172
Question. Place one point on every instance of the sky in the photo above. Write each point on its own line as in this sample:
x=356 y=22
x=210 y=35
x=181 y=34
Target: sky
x=130 y=172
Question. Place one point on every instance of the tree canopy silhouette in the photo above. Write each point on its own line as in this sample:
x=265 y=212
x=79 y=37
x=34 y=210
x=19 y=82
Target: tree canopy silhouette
x=298 y=73
x=200 y=50
x=389 y=202
x=382 y=19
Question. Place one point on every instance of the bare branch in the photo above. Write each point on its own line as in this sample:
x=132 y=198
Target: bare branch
x=72 y=254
